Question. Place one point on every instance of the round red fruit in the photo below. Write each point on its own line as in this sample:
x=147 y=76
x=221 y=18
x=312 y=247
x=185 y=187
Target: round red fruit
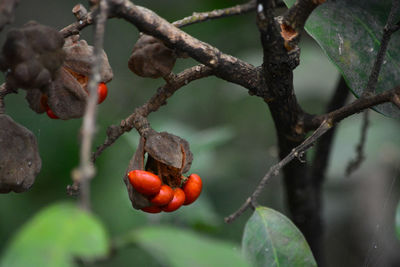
x=176 y=202
x=152 y=209
x=101 y=92
x=163 y=197
x=192 y=188
x=145 y=182
x=51 y=114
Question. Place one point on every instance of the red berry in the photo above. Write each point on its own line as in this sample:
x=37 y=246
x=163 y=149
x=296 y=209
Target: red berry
x=192 y=188
x=145 y=182
x=176 y=202
x=163 y=197
x=51 y=114
x=152 y=209
x=101 y=92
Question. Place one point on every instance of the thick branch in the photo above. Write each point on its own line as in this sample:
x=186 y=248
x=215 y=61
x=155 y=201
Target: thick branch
x=138 y=118
x=225 y=66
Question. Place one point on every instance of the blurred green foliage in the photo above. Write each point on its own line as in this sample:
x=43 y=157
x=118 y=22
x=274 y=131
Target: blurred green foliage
x=231 y=134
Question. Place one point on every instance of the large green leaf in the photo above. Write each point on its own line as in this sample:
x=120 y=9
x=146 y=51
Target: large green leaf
x=271 y=239
x=397 y=221
x=350 y=32
x=54 y=237
x=182 y=248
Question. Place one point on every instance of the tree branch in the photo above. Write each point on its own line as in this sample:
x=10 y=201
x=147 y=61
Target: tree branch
x=324 y=145
x=86 y=171
x=319 y=166
x=354 y=107
x=297 y=15
x=216 y=14
x=388 y=30
x=138 y=118
x=297 y=152
x=225 y=66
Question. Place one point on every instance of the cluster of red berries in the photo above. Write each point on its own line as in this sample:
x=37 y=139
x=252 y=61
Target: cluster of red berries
x=101 y=94
x=161 y=196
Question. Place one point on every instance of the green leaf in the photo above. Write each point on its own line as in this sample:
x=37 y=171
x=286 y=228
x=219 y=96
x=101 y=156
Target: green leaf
x=54 y=237
x=182 y=248
x=271 y=239
x=350 y=32
x=397 y=221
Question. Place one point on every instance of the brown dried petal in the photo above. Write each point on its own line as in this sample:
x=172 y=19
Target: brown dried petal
x=169 y=149
x=79 y=59
x=138 y=200
x=32 y=54
x=151 y=58
x=20 y=161
x=66 y=97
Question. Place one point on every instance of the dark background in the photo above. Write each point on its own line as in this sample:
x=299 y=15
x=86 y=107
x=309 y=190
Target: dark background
x=232 y=137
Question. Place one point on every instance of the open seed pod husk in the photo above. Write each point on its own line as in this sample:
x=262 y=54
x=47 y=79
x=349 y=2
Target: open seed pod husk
x=20 y=161
x=151 y=58
x=32 y=55
x=79 y=59
x=138 y=200
x=67 y=94
x=34 y=98
x=168 y=156
x=66 y=97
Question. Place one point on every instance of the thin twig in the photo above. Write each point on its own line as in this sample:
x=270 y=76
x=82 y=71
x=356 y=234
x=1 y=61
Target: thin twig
x=355 y=107
x=86 y=171
x=77 y=26
x=216 y=14
x=324 y=145
x=388 y=30
x=138 y=119
x=274 y=170
x=387 y=34
x=355 y=163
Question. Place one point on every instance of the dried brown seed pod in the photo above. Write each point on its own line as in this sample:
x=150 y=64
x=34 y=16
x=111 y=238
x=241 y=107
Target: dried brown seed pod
x=168 y=156
x=20 y=161
x=151 y=58
x=66 y=96
x=32 y=55
x=67 y=93
x=79 y=59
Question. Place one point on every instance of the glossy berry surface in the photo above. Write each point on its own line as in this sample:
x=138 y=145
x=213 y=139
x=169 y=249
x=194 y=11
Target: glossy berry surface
x=192 y=188
x=176 y=202
x=101 y=92
x=51 y=114
x=152 y=209
x=163 y=197
x=145 y=182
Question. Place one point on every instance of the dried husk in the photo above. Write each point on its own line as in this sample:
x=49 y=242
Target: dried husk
x=20 y=161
